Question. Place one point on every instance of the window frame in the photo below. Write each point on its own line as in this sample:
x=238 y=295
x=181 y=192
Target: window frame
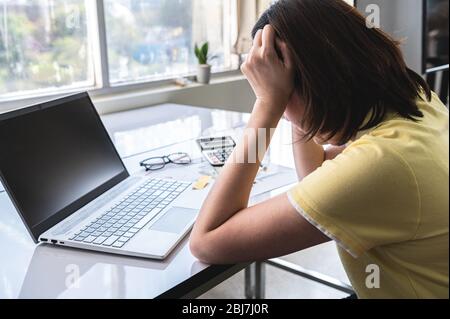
x=102 y=84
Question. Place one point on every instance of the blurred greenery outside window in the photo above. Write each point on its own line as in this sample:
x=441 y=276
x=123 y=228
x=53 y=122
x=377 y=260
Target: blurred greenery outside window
x=50 y=45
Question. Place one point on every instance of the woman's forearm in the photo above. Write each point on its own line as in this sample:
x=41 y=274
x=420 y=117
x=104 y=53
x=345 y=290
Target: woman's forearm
x=308 y=155
x=271 y=77
x=231 y=191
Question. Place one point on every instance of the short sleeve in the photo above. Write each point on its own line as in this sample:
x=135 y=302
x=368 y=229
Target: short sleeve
x=366 y=197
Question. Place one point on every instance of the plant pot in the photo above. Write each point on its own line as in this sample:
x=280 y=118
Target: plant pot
x=204 y=73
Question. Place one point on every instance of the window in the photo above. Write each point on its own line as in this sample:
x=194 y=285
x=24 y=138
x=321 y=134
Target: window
x=153 y=39
x=44 y=46
x=49 y=46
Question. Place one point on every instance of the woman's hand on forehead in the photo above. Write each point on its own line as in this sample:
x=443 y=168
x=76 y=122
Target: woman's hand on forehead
x=271 y=76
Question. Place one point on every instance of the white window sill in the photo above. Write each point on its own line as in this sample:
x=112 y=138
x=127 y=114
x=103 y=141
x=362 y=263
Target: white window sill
x=228 y=90
x=210 y=95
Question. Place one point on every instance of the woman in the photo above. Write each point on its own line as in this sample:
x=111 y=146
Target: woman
x=381 y=192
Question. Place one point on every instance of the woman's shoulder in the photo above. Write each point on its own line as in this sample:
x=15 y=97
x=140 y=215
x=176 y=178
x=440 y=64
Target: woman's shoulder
x=435 y=109
x=374 y=160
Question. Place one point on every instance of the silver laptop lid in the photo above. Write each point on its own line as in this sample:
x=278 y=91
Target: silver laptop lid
x=55 y=158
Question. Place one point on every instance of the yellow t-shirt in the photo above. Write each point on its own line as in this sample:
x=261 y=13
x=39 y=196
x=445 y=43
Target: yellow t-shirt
x=385 y=201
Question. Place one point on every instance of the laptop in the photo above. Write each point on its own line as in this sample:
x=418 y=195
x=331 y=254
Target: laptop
x=71 y=188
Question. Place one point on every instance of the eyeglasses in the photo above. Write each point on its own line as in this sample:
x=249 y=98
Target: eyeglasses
x=157 y=163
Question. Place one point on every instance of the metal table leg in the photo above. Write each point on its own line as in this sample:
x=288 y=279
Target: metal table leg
x=255 y=281
x=311 y=275
x=255 y=278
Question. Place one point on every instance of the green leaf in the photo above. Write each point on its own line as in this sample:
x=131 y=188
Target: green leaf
x=197 y=51
x=205 y=49
x=202 y=53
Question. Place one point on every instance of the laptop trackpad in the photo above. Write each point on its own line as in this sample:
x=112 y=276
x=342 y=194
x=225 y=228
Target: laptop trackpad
x=174 y=220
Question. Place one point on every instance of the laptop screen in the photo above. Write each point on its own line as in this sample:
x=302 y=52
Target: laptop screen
x=55 y=158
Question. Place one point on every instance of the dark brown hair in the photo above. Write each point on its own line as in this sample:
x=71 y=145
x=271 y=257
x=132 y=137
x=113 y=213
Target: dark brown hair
x=345 y=71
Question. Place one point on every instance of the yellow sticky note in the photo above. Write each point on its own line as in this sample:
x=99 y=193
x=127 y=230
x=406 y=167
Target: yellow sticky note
x=202 y=182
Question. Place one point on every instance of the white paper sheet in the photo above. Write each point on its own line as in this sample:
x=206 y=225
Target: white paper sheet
x=272 y=178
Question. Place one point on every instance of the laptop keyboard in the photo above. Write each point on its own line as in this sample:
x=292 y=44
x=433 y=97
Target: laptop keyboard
x=124 y=220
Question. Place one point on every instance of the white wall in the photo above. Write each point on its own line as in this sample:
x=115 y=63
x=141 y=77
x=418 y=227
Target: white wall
x=403 y=20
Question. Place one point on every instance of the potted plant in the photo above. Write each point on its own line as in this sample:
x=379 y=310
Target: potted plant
x=204 y=68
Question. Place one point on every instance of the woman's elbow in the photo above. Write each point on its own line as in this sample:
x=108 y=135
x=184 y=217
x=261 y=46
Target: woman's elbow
x=199 y=249
x=203 y=249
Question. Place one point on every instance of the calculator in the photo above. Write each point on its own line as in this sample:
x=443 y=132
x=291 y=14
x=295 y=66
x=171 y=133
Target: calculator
x=217 y=150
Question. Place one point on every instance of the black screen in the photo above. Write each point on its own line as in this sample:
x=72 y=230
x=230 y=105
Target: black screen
x=52 y=158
